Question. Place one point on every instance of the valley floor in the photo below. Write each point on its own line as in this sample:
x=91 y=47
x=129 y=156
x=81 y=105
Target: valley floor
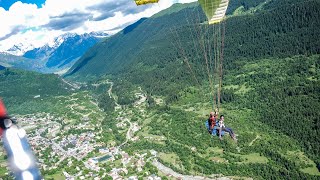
x=82 y=135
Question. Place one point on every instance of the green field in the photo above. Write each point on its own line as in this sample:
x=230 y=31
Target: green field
x=56 y=176
x=252 y=158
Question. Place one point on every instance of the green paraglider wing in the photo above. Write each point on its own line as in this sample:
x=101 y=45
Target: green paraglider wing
x=142 y=2
x=215 y=10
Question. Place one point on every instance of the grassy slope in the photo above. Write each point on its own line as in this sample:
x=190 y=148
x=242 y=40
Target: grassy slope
x=18 y=89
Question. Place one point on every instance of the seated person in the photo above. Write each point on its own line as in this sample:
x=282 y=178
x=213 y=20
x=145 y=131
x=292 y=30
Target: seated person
x=222 y=127
x=212 y=124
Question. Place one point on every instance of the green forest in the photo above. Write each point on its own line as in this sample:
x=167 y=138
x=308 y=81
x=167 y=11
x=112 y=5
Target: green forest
x=271 y=76
x=258 y=106
x=26 y=92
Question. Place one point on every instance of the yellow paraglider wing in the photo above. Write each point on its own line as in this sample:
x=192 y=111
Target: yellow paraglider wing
x=215 y=10
x=142 y=2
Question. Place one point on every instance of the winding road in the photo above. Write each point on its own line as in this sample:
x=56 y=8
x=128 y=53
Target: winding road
x=118 y=106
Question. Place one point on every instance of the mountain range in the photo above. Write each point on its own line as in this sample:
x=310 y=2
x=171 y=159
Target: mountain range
x=53 y=57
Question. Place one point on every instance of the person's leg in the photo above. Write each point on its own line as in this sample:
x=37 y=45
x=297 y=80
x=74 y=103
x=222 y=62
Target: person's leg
x=214 y=132
x=229 y=130
x=208 y=127
x=231 y=133
x=220 y=131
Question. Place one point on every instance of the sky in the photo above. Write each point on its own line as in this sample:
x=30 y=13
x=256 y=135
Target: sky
x=37 y=22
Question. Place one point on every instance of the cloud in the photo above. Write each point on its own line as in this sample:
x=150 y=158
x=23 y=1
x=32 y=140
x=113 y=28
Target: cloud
x=6 y=4
x=67 y=21
x=18 y=17
x=29 y=23
x=108 y=9
x=14 y=31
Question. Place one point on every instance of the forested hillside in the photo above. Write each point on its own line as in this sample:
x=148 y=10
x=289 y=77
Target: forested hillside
x=264 y=101
x=271 y=75
x=29 y=92
x=9 y=60
x=280 y=28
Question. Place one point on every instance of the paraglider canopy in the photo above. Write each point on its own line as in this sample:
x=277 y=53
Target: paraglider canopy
x=215 y=10
x=142 y=2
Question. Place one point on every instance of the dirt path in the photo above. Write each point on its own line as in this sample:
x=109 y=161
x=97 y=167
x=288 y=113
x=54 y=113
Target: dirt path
x=71 y=84
x=118 y=106
x=257 y=137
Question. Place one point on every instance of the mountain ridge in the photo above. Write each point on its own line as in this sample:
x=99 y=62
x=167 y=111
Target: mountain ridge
x=64 y=50
x=55 y=56
x=116 y=54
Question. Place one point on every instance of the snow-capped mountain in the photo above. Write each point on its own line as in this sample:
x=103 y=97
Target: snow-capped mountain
x=19 y=49
x=55 y=56
x=64 y=50
x=60 y=39
x=5 y=53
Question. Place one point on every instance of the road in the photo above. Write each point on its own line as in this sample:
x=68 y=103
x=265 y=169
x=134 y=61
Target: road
x=128 y=136
x=71 y=84
x=118 y=106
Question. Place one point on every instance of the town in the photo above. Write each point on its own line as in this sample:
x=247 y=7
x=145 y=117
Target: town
x=76 y=150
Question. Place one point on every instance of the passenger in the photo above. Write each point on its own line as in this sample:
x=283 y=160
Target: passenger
x=222 y=127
